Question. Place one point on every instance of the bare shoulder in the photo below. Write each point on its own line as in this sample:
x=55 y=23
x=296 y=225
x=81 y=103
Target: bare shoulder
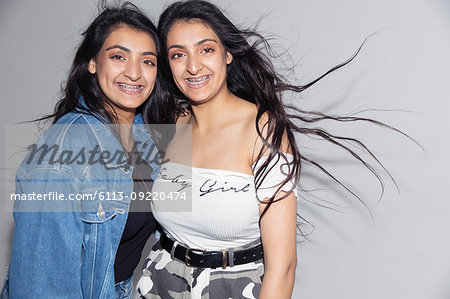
x=266 y=137
x=263 y=124
x=248 y=114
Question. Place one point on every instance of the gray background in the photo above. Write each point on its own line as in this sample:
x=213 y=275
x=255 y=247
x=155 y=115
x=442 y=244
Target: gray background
x=405 y=251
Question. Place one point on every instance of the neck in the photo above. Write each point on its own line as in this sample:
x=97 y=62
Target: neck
x=125 y=118
x=126 y=137
x=124 y=121
x=213 y=111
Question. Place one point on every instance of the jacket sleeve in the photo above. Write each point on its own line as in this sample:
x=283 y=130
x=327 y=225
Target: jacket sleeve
x=47 y=244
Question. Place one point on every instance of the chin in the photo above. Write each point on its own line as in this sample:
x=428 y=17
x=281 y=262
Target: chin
x=134 y=103
x=198 y=101
x=197 y=98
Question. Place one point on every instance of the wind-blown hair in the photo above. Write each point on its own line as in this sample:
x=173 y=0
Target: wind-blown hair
x=81 y=82
x=253 y=77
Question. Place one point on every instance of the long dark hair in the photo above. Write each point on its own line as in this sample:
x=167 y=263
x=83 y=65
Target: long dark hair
x=252 y=76
x=82 y=83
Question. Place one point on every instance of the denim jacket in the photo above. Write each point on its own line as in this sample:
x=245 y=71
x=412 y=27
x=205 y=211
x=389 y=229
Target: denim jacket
x=66 y=248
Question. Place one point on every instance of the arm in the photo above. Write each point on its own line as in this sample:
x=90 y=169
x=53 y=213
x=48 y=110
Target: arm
x=279 y=224
x=46 y=251
x=278 y=234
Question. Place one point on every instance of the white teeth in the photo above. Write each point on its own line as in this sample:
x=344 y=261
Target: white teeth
x=197 y=81
x=130 y=87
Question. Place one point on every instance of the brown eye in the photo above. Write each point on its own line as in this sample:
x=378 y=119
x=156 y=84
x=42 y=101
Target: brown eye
x=207 y=50
x=176 y=55
x=118 y=57
x=148 y=62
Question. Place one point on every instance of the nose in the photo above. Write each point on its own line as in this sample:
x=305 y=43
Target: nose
x=133 y=70
x=194 y=65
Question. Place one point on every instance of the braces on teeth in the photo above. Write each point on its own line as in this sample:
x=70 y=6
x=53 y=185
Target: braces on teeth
x=198 y=80
x=129 y=87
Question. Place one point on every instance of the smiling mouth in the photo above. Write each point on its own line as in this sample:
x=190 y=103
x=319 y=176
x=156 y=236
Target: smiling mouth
x=130 y=89
x=197 y=82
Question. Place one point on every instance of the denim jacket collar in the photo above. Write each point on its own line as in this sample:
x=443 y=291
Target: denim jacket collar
x=108 y=141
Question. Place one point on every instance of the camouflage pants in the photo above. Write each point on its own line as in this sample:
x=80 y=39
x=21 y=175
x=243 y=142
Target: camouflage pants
x=164 y=278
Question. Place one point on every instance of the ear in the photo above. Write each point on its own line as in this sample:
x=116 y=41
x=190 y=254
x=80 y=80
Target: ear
x=229 y=57
x=91 y=67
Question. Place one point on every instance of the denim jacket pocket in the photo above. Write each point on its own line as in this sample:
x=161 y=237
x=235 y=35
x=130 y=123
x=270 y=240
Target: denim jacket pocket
x=100 y=216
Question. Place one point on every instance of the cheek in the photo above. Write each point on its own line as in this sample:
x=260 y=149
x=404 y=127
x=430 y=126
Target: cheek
x=151 y=75
x=150 y=79
x=177 y=71
x=222 y=64
x=106 y=72
x=102 y=79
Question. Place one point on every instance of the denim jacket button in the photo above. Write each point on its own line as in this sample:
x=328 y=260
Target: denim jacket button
x=100 y=211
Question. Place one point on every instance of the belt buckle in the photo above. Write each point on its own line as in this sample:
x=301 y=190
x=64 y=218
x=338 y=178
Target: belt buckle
x=186 y=256
x=224 y=259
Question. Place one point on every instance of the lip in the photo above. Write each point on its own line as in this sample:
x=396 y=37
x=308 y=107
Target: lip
x=197 y=82
x=132 y=89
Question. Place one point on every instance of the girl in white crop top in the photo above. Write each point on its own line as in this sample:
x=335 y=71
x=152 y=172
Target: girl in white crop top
x=226 y=198
x=241 y=185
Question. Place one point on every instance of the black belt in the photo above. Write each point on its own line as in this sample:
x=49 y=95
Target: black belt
x=199 y=258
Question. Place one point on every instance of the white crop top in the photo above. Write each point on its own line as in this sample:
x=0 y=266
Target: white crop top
x=224 y=212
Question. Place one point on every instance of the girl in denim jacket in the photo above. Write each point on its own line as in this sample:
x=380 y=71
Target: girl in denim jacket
x=85 y=235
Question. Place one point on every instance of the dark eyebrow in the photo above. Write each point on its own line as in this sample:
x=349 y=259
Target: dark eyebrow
x=128 y=50
x=196 y=44
x=118 y=47
x=149 y=53
x=205 y=40
x=176 y=46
